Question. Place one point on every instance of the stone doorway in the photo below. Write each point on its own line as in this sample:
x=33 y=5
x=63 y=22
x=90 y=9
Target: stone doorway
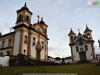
x=82 y=56
x=38 y=55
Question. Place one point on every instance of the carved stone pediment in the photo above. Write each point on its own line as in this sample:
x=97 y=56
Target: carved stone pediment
x=38 y=46
x=81 y=49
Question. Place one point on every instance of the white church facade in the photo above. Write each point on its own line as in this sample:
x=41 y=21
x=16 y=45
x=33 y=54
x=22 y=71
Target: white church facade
x=82 y=46
x=27 y=39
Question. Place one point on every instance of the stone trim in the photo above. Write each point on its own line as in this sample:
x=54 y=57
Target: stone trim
x=25 y=10
x=93 y=51
x=29 y=44
x=5 y=35
x=5 y=48
x=72 y=53
x=30 y=28
x=21 y=41
x=87 y=30
x=13 y=45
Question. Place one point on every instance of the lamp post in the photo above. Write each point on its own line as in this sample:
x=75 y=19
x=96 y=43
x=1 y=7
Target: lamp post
x=99 y=42
x=24 y=52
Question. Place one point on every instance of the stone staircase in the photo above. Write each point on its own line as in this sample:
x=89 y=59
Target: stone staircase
x=26 y=61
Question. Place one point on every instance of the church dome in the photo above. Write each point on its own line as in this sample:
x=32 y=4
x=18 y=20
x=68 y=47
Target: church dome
x=79 y=34
x=42 y=22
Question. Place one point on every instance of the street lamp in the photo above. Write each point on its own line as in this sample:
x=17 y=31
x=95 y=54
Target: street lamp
x=24 y=52
x=99 y=42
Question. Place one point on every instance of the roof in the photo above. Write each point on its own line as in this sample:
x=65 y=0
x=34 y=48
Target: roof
x=71 y=32
x=87 y=29
x=57 y=58
x=79 y=34
x=24 y=8
x=68 y=57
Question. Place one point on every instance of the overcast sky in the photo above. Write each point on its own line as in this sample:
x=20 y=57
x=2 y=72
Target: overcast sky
x=59 y=15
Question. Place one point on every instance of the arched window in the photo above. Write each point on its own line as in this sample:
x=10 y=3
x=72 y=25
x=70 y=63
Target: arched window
x=77 y=49
x=9 y=42
x=25 y=39
x=20 y=18
x=34 y=41
x=71 y=38
x=42 y=44
x=8 y=53
x=88 y=35
x=86 y=47
x=45 y=31
x=3 y=43
x=27 y=18
x=45 y=47
x=74 y=37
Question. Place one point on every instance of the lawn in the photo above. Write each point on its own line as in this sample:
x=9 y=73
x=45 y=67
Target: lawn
x=80 y=69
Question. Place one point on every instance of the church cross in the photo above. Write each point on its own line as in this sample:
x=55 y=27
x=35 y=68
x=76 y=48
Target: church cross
x=79 y=30
x=38 y=18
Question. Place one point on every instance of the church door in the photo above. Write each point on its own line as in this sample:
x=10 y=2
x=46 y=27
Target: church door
x=82 y=56
x=38 y=55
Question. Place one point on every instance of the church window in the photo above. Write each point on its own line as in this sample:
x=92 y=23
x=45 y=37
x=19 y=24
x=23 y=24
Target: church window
x=3 y=42
x=20 y=17
x=74 y=37
x=42 y=44
x=1 y=53
x=86 y=47
x=25 y=39
x=27 y=18
x=9 y=42
x=8 y=53
x=45 y=47
x=77 y=49
x=38 y=29
x=45 y=31
x=91 y=54
x=34 y=40
x=88 y=35
x=71 y=38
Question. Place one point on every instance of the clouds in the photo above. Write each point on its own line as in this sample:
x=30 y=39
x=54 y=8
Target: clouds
x=59 y=15
x=61 y=48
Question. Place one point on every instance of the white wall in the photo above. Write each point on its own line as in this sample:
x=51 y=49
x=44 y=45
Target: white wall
x=58 y=61
x=76 y=54
x=5 y=51
x=98 y=58
x=6 y=39
x=4 y=61
x=88 y=53
x=33 y=50
x=16 y=43
x=24 y=46
x=68 y=60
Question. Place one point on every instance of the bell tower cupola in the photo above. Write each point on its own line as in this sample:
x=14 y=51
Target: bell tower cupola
x=88 y=32
x=71 y=35
x=24 y=16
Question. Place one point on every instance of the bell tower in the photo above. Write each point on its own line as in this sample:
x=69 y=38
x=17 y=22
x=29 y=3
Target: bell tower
x=24 y=16
x=88 y=32
x=71 y=35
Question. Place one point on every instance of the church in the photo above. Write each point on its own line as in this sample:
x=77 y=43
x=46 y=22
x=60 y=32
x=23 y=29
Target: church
x=82 y=46
x=26 y=39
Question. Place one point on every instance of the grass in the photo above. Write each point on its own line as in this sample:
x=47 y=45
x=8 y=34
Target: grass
x=80 y=69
